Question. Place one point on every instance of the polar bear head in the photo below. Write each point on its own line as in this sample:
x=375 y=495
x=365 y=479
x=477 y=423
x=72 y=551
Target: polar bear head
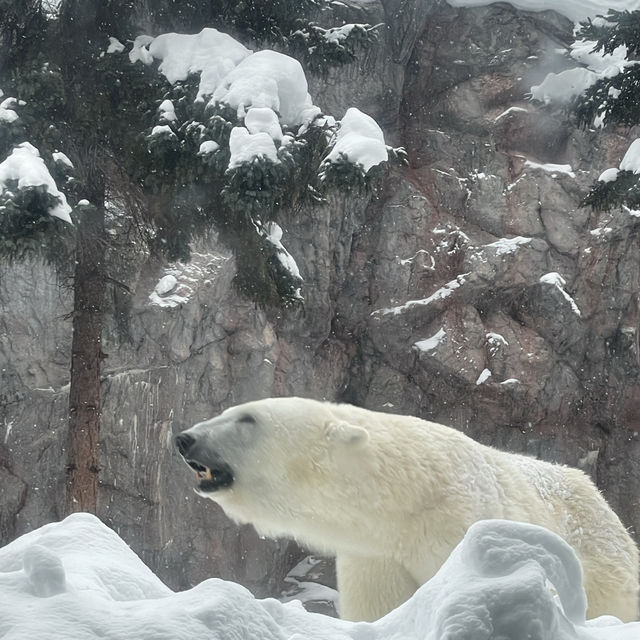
x=289 y=466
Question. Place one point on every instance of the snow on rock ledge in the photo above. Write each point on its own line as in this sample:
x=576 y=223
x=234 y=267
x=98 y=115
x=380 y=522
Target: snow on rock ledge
x=505 y=579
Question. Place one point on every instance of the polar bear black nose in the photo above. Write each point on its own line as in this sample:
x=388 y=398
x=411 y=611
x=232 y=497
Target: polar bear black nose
x=184 y=442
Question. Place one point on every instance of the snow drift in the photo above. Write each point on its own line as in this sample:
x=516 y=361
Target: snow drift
x=77 y=579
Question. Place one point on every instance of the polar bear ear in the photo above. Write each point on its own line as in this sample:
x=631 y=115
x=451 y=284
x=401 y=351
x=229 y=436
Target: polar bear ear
x=346 y=433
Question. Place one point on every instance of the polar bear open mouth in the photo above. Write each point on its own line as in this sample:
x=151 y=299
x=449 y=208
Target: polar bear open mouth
x=211 y=478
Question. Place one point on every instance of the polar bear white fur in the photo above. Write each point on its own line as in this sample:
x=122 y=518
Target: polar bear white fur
x=391 y=496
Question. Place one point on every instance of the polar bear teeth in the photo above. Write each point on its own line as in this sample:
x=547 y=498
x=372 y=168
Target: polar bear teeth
x=204 y=475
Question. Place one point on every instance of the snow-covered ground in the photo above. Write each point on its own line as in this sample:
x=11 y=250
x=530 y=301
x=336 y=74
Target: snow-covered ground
x=78 y=580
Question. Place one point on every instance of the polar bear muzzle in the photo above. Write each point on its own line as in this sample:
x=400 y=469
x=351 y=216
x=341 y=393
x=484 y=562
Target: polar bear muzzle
x=212 y=472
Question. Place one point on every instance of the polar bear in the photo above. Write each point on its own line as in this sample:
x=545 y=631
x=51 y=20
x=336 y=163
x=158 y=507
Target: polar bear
x=391 y=496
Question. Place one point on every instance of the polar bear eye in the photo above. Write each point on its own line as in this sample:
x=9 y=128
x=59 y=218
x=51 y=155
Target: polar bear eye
x=246 y=418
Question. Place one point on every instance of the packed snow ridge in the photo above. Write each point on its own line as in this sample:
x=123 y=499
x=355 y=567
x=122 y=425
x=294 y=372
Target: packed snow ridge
x=78 y=579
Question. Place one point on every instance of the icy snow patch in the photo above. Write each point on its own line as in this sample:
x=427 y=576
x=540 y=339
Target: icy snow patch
x=507 y=245
x=360 y=139
x=25 y=166
x=551 y=168
x=432 y=343
x=483 y=377
x=440 y=294
x=556 y=280
x=180 y=281
x=167 y=111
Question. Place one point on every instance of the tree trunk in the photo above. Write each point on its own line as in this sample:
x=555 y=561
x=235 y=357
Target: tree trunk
x=86 y=355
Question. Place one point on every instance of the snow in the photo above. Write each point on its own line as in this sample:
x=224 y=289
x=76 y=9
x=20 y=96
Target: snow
x=162 y=130
x=556 y=280
x=268 y=79
x=263 y=119
x=181 y=280
x=575 y=10
x=441 y=293
x=25 y=167
x=273 y=234
x=210 y=53
x=78 y=580
x=166 y=284
x=62 y=158
x=245 y=147
x=207 y=147
x=429 y=344
x=7 y=114
x=338 y=34
x=167 y=111
x=115 y=46
x=508 y=111
x=551 y=168
x=267 y=89
x=496 y=338
x=484 y=376
x=360 y=139
x=507 y=245
x=631 y=159
x=608 y=175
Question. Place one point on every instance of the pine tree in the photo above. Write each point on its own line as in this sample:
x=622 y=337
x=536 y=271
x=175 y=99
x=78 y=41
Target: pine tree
x=613 y=100
x=101 y=129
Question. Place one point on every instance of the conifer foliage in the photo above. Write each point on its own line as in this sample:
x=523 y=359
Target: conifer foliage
x=613 y=100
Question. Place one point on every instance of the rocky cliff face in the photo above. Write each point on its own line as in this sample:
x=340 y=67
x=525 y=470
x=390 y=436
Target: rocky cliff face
x=469 y=289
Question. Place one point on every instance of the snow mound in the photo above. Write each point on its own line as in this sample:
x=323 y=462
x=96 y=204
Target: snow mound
x=210 y=53
x=25 y=168
x=360 y=140
x=268 y=79
x=245 y=146
x=631 y=159
x=78 y=579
